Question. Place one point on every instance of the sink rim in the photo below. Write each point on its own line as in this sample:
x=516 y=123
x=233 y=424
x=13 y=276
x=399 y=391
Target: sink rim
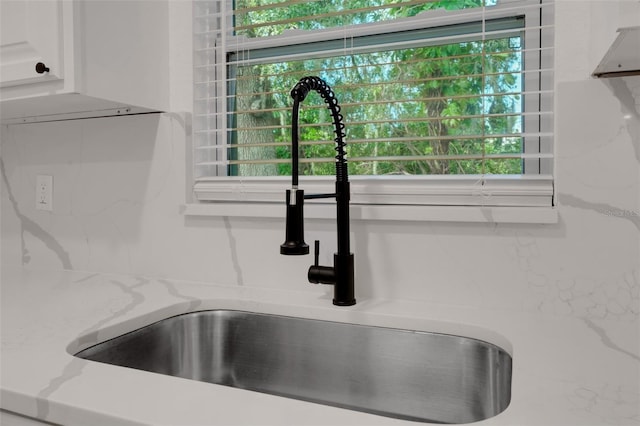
x=74 y=351
x=341 y=315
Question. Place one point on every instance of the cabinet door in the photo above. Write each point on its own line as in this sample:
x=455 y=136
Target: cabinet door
x=31 y=32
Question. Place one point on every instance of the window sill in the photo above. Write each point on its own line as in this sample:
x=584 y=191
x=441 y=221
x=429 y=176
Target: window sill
x=470 y=214
x=475 y=199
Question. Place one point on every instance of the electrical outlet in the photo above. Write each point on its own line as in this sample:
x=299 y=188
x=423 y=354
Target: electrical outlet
x=44 y=192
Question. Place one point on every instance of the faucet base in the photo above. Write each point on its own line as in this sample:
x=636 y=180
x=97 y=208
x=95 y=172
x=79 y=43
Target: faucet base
x=343 y=289
x=344 y=303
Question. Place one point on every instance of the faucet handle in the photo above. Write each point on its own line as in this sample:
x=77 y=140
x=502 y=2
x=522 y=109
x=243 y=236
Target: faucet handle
x=316 y=253
x=320 y=274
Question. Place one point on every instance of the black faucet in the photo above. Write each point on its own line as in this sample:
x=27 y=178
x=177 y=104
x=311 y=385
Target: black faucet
x=341 y=274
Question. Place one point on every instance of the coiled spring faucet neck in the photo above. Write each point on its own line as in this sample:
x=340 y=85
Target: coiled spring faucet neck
x=299 y=93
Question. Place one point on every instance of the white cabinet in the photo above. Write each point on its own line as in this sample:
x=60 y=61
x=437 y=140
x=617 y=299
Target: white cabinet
x=30 y=33
x=104 y=57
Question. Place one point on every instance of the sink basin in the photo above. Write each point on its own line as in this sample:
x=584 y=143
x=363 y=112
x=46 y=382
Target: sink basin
x=397 y=373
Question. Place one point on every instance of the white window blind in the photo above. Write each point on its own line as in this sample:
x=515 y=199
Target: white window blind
x=445 y=102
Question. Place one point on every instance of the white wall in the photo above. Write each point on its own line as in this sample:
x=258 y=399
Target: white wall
x=119 y=184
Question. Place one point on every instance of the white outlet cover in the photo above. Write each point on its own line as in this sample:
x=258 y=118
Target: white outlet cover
x=44 y=192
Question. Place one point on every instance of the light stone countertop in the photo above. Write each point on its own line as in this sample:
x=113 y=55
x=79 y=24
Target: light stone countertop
x=566 y=370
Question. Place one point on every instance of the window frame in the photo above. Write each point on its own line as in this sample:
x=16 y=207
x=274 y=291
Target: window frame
x=532 y=189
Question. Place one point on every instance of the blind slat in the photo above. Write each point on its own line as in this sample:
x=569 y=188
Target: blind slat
x=360 y=123
x=396 y=101
x=387 y=159
x=388 y=140
x=317 y=17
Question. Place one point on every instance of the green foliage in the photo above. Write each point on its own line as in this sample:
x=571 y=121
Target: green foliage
x=421 y=110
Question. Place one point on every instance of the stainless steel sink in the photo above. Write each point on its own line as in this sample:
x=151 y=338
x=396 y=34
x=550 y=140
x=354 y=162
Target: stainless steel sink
x=391 y=372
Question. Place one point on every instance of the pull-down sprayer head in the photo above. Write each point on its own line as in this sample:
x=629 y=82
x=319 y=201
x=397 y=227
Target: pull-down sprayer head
x=294 y=235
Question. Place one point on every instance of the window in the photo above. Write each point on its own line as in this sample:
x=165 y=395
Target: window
x=445 y=101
